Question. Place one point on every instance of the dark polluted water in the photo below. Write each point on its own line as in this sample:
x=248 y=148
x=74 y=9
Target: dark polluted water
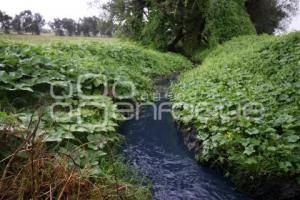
x=156 y=149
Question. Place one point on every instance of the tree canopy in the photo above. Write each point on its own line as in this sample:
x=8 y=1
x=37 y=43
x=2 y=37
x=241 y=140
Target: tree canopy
x=28 y=22
x=190 y=24
x=87 y=26
x=173 y=25
x=5 y=22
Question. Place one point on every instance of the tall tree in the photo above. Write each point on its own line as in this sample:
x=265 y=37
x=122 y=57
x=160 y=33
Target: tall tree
x=5 y=21
x=37 y=23
x=26 y=17
x=129 y=14
x=1 y=15
x=89 y=26
x=78 y=29
x=173 y=24
x=57 y=27
x=190 y=24
x=94 y=25
x=106 y=27
x=16 y=24
x=28 y=22
x=69 y=25
x=85 y=27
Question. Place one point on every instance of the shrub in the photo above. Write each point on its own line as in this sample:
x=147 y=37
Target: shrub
x=28 y=72
x=247 y=92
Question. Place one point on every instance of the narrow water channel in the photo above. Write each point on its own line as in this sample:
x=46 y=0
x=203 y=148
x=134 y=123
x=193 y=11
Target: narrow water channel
x=156 y=149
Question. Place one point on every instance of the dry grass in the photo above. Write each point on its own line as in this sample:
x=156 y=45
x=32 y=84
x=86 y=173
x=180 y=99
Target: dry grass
x=31 y=172
x=47 y=177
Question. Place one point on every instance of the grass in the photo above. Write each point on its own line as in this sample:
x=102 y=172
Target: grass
x=50 y=38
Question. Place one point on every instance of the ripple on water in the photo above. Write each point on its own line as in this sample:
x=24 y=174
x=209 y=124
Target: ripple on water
x=156 y=149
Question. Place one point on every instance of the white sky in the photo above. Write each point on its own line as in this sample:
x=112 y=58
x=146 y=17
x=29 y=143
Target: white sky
x=295 y=25
x=49 y=8
x=72 y=9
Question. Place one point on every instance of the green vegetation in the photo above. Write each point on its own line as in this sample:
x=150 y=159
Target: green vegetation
x=247 y=115
x=50 y=38
x=84 y=129
x=59 y=111
x=188 y=25
x=182 y=25
x=227 y=19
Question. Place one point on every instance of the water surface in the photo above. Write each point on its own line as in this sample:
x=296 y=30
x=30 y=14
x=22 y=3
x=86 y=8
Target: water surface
x=156 y=149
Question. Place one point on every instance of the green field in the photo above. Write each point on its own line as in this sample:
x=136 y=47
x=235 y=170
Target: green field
x=49 y=38
x=34 y=66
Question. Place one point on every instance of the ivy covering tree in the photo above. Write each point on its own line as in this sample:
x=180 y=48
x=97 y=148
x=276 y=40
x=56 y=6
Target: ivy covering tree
x=188 y=25
x=181 y=24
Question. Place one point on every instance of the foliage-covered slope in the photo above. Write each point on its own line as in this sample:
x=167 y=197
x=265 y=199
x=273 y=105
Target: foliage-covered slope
x=69 y=87
x=227 y=19
x=244 y=103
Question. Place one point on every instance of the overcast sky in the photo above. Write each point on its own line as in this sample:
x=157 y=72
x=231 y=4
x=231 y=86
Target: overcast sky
x=71 y=8
x=49 y=8
x=295 y=25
